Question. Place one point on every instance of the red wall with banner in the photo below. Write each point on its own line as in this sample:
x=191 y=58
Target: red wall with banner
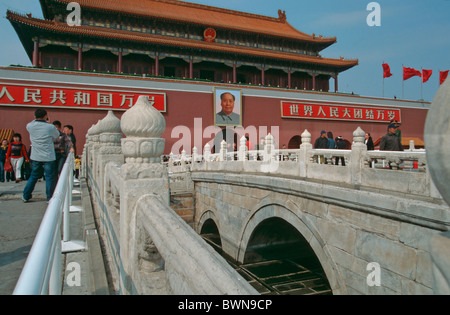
x=189 y=110
x=80 y=97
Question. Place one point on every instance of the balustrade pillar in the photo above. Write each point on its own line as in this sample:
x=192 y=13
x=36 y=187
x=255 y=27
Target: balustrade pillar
x=207 y=153
x=438 y=155
x=142 y=174
x=223 y=151
x=242 y=155
x=304 y=154
x=269 y=148
x=359 y=152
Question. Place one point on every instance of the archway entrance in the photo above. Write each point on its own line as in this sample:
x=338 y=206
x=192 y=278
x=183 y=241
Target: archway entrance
x=295 y=143
x=210 y=233
x=279 y=260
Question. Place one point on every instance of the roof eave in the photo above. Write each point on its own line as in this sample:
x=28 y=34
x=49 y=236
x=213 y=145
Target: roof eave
x=339 y=64
x=322 y=42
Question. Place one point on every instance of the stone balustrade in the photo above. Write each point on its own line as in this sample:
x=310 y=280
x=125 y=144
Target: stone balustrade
x=403 y=172
x=149 y=248
x=144 y=239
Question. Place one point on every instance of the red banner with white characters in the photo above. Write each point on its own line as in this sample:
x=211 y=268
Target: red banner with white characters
x=306 y=110
x=70 y=97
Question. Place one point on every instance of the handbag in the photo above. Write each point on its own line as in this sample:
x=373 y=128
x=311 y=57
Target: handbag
x=8 y=167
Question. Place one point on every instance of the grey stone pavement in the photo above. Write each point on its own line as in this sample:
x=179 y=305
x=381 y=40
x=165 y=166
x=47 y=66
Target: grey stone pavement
x=19 y=223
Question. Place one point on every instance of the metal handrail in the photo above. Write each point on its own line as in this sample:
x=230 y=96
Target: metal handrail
x=41 y=274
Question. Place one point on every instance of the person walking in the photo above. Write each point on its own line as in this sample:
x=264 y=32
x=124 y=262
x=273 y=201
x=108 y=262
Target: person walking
x=390 y=141
x=369 y=142
x=68 y=130
x=42 y=135
x=331 y=141
x=398 y=131
x=62 y=147
x=340 y=145
x=3 y=150
x=322 y=143
x=18 y=154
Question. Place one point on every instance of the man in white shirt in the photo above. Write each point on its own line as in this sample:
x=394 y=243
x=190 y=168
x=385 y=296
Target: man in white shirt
x=42 y=157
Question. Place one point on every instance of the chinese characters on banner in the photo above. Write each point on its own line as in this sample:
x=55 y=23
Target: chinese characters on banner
x=339 y=112
x=22 y=95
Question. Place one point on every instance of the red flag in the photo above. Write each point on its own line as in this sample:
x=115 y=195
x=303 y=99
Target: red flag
x=408 y=73
x=386 y=71
x=426 y=74
x=442 y=76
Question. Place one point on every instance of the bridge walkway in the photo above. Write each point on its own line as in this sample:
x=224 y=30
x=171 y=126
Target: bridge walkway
x=19 y=223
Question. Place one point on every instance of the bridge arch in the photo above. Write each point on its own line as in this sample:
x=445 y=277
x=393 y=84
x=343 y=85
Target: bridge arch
x=307 y=231
x=209 y=228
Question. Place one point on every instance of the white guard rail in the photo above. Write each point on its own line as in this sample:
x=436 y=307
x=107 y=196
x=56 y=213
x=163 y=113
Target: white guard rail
x=42 y=273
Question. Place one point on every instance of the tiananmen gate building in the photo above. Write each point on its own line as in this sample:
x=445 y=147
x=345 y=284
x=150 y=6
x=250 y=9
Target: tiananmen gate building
x=184 y=57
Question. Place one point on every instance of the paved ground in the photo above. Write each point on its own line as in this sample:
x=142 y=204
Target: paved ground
x=19 y=223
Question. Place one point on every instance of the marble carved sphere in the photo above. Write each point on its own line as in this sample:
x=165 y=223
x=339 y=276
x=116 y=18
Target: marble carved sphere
x=143 y=126
x=437 y=140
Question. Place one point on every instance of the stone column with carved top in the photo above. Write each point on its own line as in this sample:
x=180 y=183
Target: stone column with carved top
x=109 y=151
x=142 y=174
x=304 y=154
x=109 y=136
x=359 y=152
x=94 y=144
x=437 y=142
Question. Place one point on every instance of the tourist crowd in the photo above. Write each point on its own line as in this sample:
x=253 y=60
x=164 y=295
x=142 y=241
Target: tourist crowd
x=51 y=143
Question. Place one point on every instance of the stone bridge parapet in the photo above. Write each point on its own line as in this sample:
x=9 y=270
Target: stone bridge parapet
x=354 y=208
x=149 y=249
x=380 y=207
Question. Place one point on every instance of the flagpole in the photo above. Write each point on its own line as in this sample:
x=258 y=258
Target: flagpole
x=421 y=86
x=383 y=80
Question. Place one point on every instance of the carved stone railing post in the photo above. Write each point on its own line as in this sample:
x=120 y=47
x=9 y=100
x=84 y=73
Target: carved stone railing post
x=94 y=139
x=242 y=155
x=223 y=151
x=109 y=150
x=304 y=154
x=143 y=173
x=195 y=155
x=207 y=153
x=437 y=144
x=85 y=157
x=359 y=151
x=269 y=148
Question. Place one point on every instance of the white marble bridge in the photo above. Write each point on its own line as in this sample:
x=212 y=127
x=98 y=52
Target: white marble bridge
x=381 y=207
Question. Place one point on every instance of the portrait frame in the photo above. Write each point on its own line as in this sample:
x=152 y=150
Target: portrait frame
x=219 y=117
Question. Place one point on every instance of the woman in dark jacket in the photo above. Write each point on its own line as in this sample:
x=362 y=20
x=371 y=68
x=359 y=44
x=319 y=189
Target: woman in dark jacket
x=3 y=150
x=369 y=142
